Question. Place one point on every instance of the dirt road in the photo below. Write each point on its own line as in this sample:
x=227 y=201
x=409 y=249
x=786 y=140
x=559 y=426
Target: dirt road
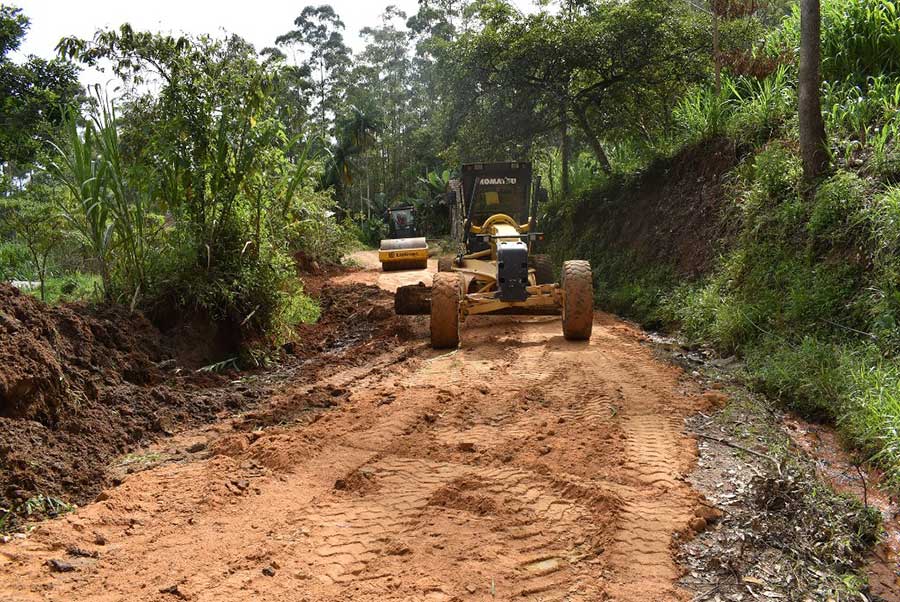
x=521 y=466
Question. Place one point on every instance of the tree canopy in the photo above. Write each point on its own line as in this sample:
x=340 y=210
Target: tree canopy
x=33 y=94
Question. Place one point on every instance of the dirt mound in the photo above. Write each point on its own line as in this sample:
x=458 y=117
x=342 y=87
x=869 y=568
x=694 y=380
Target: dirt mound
x=81 y=386
x=51 y=356
x=351 y=315
x=77 y=386
x=463 y=494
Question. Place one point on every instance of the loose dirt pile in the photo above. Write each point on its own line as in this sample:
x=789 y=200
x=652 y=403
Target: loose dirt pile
x=352 y=314
x=81 y=386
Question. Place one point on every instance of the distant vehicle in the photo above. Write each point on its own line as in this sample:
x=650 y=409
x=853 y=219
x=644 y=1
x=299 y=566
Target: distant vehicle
x=405 y=249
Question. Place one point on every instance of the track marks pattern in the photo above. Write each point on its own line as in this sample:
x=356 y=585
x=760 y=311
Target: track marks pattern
x=532 y=526
x=570 y=489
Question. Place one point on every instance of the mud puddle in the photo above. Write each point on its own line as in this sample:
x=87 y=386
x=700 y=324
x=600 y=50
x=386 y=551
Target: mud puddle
x=837 y=467
x=738 y=472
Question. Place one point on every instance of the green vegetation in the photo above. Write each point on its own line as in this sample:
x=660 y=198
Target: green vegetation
x=36 y=507
x=806 y=285
x=191 y=195
x=217 y=162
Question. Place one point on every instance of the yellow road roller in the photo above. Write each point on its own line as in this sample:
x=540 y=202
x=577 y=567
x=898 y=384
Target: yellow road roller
x=404 y=250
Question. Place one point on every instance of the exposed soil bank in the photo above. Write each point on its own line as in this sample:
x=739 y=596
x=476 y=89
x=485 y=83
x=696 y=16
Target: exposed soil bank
x=670 y=216
x=80 y=386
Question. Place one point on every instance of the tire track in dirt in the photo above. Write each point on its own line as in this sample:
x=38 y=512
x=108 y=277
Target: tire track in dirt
x=520 y=467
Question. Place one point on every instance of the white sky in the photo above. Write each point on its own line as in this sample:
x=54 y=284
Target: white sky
x=259 y=21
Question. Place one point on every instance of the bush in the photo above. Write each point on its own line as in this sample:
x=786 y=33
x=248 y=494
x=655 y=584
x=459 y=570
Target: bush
x=705 y=313
x=15 y=262
x=254 y=292
x=309 y=226
x=835 y=213
x=881 y=219
x=851 y=385
x=776 y=172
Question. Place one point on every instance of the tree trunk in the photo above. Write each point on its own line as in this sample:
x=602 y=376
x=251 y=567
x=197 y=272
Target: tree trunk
x=565 y=151
x=35 y=257
x=813 y=143
x=593 y=140
x=550 y=177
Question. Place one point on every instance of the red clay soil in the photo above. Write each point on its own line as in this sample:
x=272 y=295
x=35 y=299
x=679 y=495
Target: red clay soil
x=520 y=467
x=81 y=386
x=76 y=386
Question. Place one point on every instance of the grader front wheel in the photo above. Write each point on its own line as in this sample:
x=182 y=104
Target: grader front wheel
x=578 y=308
x=445 y=296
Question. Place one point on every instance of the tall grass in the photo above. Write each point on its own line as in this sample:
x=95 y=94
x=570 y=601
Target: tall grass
x=746 y=108
x=872 y=418
x=80 y=168
x=860 y=38
x=703 y=113
x=760 y=107
x=108 y=213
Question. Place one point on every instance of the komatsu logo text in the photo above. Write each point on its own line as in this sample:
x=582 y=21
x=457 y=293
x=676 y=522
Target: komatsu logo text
x=497 y=181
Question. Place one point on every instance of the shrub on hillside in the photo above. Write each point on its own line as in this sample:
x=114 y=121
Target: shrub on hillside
x=15 y=263
x=859 y=38
x=835 y=214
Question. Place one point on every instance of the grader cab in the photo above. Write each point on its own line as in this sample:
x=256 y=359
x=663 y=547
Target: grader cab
x=497 y=270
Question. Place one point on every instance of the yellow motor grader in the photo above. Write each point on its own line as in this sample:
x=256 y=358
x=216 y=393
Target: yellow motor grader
x=496 y=271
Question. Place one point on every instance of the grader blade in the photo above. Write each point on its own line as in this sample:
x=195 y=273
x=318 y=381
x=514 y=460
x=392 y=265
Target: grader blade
x=413 y=300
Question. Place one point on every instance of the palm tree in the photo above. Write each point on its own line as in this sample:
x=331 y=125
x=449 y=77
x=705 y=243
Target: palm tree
x=356 y=134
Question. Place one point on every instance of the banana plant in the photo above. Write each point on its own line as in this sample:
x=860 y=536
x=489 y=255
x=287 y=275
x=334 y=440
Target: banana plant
x=436 y=183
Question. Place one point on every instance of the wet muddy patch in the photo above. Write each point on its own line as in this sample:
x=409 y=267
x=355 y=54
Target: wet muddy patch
x=783 y=533
x=798 y=522
x=850 y=475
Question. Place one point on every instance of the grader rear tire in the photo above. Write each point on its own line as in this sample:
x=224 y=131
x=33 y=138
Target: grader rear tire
x=578 y=308
x=446 y=292
x=543 y=268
